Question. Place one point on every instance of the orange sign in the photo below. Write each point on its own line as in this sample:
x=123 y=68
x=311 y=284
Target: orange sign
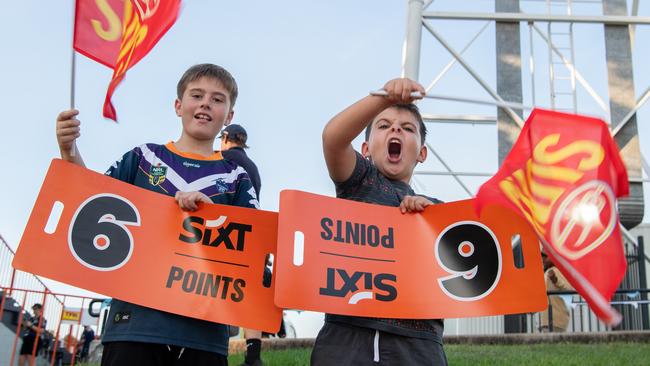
x=353 y=258
x=113 y=238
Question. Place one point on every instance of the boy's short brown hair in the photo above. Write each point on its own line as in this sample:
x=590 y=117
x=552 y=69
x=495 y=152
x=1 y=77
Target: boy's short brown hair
x=415 y=111
x=211 y=71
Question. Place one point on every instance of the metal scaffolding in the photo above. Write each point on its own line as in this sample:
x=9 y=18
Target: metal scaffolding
x=554 y=28
x=564 y=77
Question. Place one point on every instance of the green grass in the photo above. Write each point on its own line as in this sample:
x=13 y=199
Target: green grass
x=562 y=354
x=558 y=354
x=292 y=357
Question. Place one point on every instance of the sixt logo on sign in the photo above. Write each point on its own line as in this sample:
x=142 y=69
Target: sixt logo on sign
x=214 y=232
x=369 y=282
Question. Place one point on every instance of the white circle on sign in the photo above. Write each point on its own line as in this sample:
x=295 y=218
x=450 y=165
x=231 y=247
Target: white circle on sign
x=101 y=242
x=466 y=245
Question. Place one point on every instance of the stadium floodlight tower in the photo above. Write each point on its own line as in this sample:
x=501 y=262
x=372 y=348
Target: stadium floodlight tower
x=555 y=28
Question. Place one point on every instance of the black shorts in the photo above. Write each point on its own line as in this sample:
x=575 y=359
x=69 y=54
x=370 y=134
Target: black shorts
x=28 y=346
x=348 y=345
x=137 y=353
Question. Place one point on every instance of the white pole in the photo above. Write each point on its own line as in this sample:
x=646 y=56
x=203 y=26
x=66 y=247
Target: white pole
x=74 y=57
x=73 y=64
x=411 y=67
x=498 y=103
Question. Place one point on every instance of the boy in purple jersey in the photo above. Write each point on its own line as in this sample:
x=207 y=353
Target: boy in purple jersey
x=395 y=136
x=190 y=170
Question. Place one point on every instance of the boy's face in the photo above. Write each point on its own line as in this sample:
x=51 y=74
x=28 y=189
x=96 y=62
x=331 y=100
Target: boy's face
x=204 y=109
x=394 y=144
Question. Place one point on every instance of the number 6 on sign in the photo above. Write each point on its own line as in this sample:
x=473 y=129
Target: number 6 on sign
x=98 y=236
x=126 y=242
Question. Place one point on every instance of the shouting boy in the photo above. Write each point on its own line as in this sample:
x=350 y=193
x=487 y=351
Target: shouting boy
x=395 y=136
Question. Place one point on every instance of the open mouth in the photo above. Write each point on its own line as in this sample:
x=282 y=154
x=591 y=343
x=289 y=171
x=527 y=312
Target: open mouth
x=394 y=149
x=203 y=117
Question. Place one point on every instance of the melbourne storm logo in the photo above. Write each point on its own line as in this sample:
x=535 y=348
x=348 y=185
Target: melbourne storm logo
x=221 y=184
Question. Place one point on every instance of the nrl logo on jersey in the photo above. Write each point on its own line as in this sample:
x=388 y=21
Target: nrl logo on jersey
x=157 y=175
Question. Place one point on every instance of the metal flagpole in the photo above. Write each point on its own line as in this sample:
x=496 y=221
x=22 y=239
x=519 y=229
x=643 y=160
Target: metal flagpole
x=72 y=77
x=73 y=64
x=503 y=104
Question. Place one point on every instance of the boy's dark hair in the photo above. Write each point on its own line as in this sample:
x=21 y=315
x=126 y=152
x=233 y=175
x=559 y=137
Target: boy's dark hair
x=37 y=306
x=415 y=111
x=210 y=71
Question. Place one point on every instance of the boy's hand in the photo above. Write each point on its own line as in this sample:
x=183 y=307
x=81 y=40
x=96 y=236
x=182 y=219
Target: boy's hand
x=188 y=201
x=67 y=130
x=399 y=90
x=414 y=204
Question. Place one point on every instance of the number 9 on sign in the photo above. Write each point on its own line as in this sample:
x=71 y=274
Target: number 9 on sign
x=98 y=236
x=470 y=252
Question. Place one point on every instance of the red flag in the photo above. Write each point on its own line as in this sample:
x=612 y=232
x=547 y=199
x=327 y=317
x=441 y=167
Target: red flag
x=119 y=33
x=98 y=29
x=563 y=175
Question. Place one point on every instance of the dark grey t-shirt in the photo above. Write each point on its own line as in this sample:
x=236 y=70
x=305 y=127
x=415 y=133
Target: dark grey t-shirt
x=368 y=185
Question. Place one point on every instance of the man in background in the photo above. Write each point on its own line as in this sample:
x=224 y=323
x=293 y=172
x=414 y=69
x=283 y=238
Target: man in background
x=233 y=143
x=33 y=329
x=559 y=312
x=86 y=339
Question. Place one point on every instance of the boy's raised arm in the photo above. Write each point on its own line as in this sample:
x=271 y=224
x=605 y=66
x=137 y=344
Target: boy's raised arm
x=341 y=130
x=67 y=132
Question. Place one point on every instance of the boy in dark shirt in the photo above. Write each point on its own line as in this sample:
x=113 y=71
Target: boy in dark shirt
x=395 y=136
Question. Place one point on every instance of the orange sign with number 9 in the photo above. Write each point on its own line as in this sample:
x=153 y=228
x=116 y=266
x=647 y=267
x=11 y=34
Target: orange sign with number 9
x=352 y=258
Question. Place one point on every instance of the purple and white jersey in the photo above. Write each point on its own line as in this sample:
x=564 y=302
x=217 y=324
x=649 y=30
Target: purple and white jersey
x=165 y=169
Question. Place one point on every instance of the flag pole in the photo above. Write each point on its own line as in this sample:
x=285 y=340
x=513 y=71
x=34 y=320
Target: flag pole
x=73 y=64
x=72 y=77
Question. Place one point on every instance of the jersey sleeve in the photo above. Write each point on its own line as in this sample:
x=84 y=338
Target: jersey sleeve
x=126 y=168
x=245 y=195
